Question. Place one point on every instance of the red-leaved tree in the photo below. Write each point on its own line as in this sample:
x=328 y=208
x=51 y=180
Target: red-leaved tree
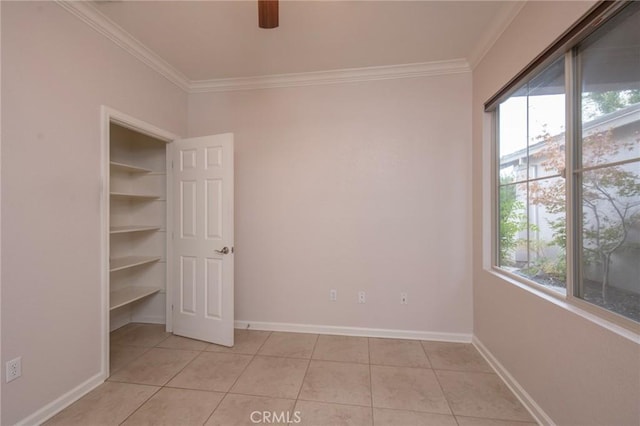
x=610 y=195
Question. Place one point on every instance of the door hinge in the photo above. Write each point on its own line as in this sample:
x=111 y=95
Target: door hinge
x=172 y=307
x=172 y=164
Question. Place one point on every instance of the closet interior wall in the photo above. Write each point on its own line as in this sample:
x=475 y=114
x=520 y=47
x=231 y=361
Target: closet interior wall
x=137 y=228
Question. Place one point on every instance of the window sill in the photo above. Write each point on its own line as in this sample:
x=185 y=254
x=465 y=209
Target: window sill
x=621 y=326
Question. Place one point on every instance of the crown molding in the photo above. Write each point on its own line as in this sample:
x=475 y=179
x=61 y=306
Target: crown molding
x=348 y=75
x=90 y=15
x=509 y=11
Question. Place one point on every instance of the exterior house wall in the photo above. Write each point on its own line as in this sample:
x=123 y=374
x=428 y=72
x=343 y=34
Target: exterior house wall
x=624 y=129
x=625 y=269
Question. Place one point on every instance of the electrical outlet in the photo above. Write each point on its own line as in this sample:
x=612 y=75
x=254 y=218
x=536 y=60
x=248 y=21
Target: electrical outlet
x=333 y=295
x=404 y=299
x=361 y=297
x=14 y=369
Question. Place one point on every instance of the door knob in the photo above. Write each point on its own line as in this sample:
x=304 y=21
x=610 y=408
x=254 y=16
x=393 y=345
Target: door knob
x=225 y=250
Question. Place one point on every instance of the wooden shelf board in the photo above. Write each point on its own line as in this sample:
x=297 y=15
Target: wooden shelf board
x=119 y=298
x=128 y=168
x=132 y=228
x=135 y=196
x=120 y=263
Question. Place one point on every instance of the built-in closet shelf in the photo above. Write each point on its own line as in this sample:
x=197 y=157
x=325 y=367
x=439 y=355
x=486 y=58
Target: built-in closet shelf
x=128 y=168
x=136 y=236
x=120 y=263
x=134 y=196
x=122 y=297
x=132 y=228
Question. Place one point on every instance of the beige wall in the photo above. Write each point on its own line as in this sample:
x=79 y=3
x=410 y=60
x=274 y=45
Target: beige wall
x=577 y=371
x=56 y=72
x=360 y=186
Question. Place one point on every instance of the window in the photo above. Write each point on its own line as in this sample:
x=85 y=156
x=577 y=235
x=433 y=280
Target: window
x=531 y=192
x=568 y=185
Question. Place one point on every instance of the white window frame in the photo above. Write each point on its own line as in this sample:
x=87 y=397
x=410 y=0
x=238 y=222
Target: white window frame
x=573 y=124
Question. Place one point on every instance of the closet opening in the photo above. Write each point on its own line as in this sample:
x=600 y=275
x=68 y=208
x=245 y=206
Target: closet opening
x=135 y=249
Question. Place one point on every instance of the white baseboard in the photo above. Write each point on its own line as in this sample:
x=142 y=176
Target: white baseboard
x=149 y=319
x=355 y=331
x=73 y=395
x=57 y=405
x=119 y=319
x=529 y=403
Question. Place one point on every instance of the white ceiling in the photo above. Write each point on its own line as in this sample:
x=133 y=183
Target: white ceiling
x=220 y=39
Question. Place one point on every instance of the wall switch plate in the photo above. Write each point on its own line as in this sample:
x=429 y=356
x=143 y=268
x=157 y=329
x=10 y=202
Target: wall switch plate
x=333 y=295
x=361 y=297
x=14 y=369
x=404 y=299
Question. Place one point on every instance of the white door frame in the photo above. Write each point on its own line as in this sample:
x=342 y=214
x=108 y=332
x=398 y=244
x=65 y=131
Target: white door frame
x=107 y=116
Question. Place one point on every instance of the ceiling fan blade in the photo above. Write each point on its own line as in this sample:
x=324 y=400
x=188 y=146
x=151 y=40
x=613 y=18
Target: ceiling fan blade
x=267 y=13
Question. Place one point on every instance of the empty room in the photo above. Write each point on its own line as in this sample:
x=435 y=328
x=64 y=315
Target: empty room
x=320 y=213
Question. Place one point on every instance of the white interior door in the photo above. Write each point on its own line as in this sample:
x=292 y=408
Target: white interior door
x=202 y=249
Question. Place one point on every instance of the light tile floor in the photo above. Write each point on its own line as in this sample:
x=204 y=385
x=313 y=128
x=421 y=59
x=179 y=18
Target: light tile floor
x=161 y=379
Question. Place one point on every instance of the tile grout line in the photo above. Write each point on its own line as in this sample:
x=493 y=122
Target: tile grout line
x=111 y=373
x=465 y=371
x=253 y=356
x=424 y=350
x=438 y=382
x=214 y=409
x=291 y=357
x=297 y=398
x=182 y=369
x=146 y=348
x=159 y=388
x=344 y=404
x=124 y=333
x=333 y=361
x=340 y=362
x=407 y=410
x=513 y=422
x=370 y=381
x=306 y=371
x=261 y=396
x=139 y=406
